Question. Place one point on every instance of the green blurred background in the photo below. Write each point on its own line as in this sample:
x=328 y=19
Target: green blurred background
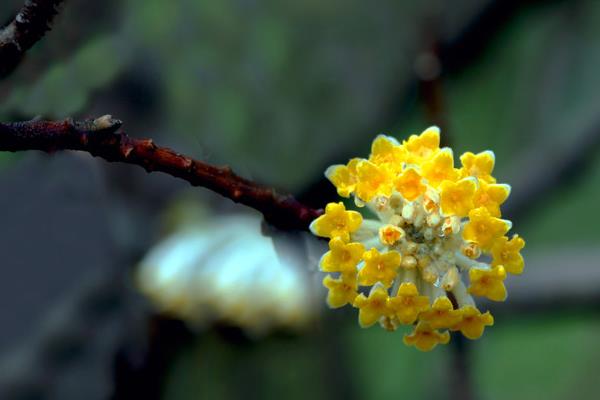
x=279 y=90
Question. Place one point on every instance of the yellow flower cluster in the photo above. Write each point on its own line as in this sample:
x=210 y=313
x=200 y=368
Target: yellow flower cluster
x=435 y=225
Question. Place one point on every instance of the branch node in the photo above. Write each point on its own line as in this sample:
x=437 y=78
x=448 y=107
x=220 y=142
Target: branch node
x=236 y=194
x=148 y=144
x=106 y=122
x=187 y=163
x=29 y=26
x=126 y=150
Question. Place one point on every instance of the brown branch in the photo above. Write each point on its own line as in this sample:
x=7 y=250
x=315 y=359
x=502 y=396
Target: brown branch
x=28 y=27
x=101 y=137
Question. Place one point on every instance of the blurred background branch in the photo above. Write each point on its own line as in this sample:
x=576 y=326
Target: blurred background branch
x=28 y=27
x=544 y=176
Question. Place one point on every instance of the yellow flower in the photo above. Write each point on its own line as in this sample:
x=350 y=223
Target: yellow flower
x=336 y=222
x=441 y=314
x=507 y=253
x=390 y=234
x=484 y=229
x=343 y=177
x=488 y=283
x=423 y=146
x=429 y=222
x=425 y=338
x=478 y=165
x=373 y=307
x=410 y=184
x=407 y=304
x=473 y=322
x=440 y=168
x=342 y=257
x=386 y=151
x=379 y=267
x=373 y=180
x=342 y=290
x=490 y=196
x=456 y=198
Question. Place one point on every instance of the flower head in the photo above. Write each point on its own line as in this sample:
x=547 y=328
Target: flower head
x=420 y=261
x=215 y=270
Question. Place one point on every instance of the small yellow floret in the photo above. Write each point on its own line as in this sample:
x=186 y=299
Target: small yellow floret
x=342 y=290
x=379 y=267
x=390 y=234
x=478 y=165
x=425 y=338
x=373 y=180
x=440 y=168
x=407 y=304
x=410 y=184
x=336 y=222
x=386 y=151
x=456 y=198
x=488 y=283
x=484 y=229
x=441 y=314
x=373 y=307
x=473 y=322
x=342 y=257
x=490 y=196
x=343 y=177
x=421 y=147
x=471 y=250
x=507 y=253
x=431 y=201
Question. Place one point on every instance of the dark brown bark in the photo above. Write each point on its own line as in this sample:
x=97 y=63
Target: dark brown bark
x=29 y=26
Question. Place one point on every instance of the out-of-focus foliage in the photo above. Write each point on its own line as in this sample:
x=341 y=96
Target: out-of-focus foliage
x=64 y=88
x=551 y=342
x=254 y=82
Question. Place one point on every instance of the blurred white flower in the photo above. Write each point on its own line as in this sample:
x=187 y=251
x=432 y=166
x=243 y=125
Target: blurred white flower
x=226 y=270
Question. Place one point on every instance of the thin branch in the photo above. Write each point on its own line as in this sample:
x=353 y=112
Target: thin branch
x=102 y=138
x=27 y=28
